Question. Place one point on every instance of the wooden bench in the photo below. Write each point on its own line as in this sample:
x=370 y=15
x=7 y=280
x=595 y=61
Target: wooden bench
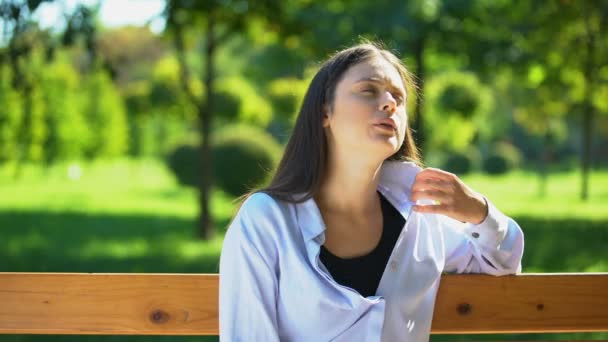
x=187 y=304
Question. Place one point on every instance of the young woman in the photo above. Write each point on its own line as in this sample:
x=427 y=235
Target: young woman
x=349 y=241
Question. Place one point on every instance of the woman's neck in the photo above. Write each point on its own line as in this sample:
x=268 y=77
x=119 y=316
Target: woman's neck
x=349 y=187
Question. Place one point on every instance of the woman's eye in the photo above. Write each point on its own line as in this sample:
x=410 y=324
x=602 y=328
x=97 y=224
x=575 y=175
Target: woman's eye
x=398 y=98
x=369 y=90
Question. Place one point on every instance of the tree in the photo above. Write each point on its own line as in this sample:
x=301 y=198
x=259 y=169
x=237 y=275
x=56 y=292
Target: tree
x=220 y=21
x=561 y=48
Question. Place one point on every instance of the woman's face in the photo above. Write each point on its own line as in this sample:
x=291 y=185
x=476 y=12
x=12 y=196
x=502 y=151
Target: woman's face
x=368 y=114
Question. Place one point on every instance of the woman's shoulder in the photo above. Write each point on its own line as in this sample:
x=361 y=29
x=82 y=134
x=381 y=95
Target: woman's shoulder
x=260 y=204
x=258 y=225
x=259 y=214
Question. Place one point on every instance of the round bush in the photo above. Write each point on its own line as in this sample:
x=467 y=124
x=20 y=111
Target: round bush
x=495 y=164
x=184 y=162
x=457 y=108
x=243 y=158
x=460 y=98
x=502 y=159
x=459 y=163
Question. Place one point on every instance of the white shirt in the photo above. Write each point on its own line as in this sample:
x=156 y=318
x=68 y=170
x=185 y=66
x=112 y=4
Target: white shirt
x=273 y=286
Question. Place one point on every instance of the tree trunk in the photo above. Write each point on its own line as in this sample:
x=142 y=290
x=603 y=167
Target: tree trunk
x=544 y=161
x=418 y=124
x=586 y=158
x=588 y=109
x=205 y=115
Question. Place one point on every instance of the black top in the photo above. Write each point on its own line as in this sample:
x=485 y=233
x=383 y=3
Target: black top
x=363 y=273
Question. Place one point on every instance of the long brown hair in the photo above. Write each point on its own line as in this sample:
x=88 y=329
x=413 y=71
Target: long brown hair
x=304 y=162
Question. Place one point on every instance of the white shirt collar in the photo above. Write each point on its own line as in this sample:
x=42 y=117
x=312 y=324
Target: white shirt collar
x=395 y=183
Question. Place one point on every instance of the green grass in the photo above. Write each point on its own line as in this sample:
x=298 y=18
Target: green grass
x=131 y=216
x=119 y=217
x=517 y=195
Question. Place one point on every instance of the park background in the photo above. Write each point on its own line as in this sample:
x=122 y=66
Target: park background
x=128 y=128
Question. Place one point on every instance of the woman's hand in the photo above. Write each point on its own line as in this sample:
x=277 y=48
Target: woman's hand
x=455 y=198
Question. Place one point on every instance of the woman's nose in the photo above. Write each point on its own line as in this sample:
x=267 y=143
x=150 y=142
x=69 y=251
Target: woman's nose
x=388 y=102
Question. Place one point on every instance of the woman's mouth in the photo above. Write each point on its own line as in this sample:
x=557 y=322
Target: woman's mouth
x=386 y=127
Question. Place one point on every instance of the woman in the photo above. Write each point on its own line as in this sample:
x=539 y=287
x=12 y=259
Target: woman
x=349 y=241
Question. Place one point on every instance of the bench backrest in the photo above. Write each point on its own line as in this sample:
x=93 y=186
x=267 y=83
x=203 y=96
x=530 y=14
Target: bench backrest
x=187 y=304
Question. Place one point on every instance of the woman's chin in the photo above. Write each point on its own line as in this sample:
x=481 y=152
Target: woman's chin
x=387 y=147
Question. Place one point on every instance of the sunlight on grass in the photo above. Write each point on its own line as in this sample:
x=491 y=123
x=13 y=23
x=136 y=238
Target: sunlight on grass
x=193 y=250
x=516 y=194
x=115 y=248
x=132 y=216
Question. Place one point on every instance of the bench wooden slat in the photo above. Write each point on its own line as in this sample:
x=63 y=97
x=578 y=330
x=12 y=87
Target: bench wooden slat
x=187 y=304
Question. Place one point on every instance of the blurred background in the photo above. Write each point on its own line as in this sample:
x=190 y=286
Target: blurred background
x=129 y=127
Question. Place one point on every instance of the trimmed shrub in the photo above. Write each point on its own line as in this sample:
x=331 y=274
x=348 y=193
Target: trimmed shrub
x=462 y=162
x=238 y=99
x=504 y=158
x=456 y=111
x=184 y=162
x=286 y=95
x=243 y=157
x=495 y=164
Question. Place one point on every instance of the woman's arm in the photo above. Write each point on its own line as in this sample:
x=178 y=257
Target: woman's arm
x=495 y=246
x=248 y=283
x=478 y=237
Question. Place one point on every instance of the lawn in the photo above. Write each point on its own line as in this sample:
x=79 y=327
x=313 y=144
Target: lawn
x=131 y=216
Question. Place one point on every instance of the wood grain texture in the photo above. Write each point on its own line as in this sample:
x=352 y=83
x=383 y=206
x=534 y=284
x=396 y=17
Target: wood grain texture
x=108 y=304
x=522 y=303
x=187 y=304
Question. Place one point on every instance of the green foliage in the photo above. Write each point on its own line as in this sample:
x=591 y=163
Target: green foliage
x=35 y=129
x=457 y=106
x=106 y=116
x=184 y=162
x=67 y=129
x=166 y=93
x=462 y=163
x=243 y=157
x=158 y=112
x=286 y=95
x=239 y=99
x=227 y=104
x=11 y=112
x=458 y=99
x=495 y=164
x=503 y=158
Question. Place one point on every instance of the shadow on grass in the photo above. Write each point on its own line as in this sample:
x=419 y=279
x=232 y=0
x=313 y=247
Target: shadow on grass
x=77 y=242
x=564 y=245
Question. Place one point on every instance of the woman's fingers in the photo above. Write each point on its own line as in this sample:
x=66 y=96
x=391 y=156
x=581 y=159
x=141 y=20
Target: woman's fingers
x=435 y=180
x=429 y=184
x=434 y=173
x=435 y=195
x=432 y=208
x=455 y=198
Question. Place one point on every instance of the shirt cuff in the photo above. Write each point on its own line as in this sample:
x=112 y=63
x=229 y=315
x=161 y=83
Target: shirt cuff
x=492 y=230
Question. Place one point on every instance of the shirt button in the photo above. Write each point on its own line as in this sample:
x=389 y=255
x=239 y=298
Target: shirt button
x=475 y=234
x=393 y=265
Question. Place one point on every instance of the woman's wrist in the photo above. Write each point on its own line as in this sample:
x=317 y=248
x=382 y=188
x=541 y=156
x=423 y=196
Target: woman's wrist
x=481 y=205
